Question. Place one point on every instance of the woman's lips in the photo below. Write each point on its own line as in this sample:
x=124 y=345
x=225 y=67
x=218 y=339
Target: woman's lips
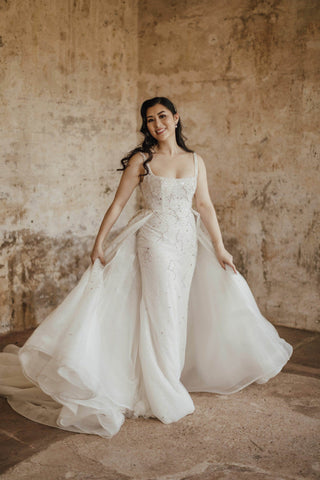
x=158 y=132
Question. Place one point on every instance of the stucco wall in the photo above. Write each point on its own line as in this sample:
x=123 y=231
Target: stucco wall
x=68 y=113
x=245 y=76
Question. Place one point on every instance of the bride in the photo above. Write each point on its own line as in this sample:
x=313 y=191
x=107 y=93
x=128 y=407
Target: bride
x=170 y=158
x=160 y=312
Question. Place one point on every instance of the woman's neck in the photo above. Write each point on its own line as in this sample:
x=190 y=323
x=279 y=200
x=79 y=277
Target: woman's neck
x=169 y=147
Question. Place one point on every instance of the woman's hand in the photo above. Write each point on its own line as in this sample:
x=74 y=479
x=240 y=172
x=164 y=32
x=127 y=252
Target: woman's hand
x=97 y=252
x=225 y=258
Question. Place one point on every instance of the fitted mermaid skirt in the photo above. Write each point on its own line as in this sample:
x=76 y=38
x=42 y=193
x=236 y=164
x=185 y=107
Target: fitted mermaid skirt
x=133 y=338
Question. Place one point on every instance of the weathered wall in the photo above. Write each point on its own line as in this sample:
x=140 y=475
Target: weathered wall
x=245 y=76
x=68 y=113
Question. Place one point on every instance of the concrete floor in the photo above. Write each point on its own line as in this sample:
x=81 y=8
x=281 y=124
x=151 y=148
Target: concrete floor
x=269 y=431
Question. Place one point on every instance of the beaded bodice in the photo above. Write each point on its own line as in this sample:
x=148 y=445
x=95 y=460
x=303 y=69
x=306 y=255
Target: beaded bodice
x=169 y=195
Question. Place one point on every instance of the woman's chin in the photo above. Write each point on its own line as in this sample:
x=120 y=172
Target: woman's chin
x=165 y=136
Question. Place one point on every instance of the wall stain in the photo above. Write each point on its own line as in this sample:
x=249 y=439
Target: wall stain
x=40 y=273
x=262 y=199
x=5 y=5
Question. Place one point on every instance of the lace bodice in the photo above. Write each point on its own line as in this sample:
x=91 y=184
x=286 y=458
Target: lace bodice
x=169 y=195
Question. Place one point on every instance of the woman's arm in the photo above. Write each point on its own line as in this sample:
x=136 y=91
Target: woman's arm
x=129 y=180
x=208 y=216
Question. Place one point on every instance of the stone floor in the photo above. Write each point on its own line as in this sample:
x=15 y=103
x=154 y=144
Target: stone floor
x=269 y=431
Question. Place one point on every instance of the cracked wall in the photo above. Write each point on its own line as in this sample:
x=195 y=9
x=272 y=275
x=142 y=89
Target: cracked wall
x=245 y=77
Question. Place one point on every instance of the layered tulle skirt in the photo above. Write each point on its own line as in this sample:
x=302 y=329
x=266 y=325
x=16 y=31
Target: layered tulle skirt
x=135 y=336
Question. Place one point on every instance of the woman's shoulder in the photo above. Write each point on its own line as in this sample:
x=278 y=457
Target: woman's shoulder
x=201 y=164
x=199 y=157
x=136 y=161
x=137 y=158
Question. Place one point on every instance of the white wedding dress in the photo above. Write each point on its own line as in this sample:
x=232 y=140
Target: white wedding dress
x=132 y=338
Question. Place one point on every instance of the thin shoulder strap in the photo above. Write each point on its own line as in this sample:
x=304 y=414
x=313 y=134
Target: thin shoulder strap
x=195 y=164
x=143 y=155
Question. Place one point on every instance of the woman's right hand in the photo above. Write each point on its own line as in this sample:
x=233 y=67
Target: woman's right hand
x=97 y=252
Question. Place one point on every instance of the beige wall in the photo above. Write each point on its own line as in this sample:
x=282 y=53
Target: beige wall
x=244 y=75
x=68 y=113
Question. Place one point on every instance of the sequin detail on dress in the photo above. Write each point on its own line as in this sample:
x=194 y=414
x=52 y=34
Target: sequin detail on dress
x=167 y=250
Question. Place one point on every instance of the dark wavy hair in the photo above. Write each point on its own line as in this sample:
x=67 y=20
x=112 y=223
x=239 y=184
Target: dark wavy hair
x=149 y=141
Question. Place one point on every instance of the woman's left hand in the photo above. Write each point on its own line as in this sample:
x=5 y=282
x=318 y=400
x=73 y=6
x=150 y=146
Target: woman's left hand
x=225 y=258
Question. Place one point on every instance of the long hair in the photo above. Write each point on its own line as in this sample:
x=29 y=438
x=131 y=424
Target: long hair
x=149 y=141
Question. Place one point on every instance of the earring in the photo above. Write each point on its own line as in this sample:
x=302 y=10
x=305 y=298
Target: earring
x=176 y=125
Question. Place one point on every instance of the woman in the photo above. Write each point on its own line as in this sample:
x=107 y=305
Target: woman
x=165 y=145
x=161 y=312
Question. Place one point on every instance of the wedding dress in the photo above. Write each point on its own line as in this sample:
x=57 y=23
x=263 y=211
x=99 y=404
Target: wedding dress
x=161 y=319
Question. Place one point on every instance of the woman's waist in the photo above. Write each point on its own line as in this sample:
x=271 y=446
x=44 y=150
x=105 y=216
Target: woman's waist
x=173 y=210
x=170 y=232
x=170 y=222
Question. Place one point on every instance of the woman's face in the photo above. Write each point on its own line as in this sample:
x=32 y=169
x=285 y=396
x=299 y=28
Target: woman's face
x=161 y=122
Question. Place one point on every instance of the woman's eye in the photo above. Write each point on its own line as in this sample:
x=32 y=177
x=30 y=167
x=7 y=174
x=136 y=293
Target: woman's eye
x=150 y=120
x=163 y=116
